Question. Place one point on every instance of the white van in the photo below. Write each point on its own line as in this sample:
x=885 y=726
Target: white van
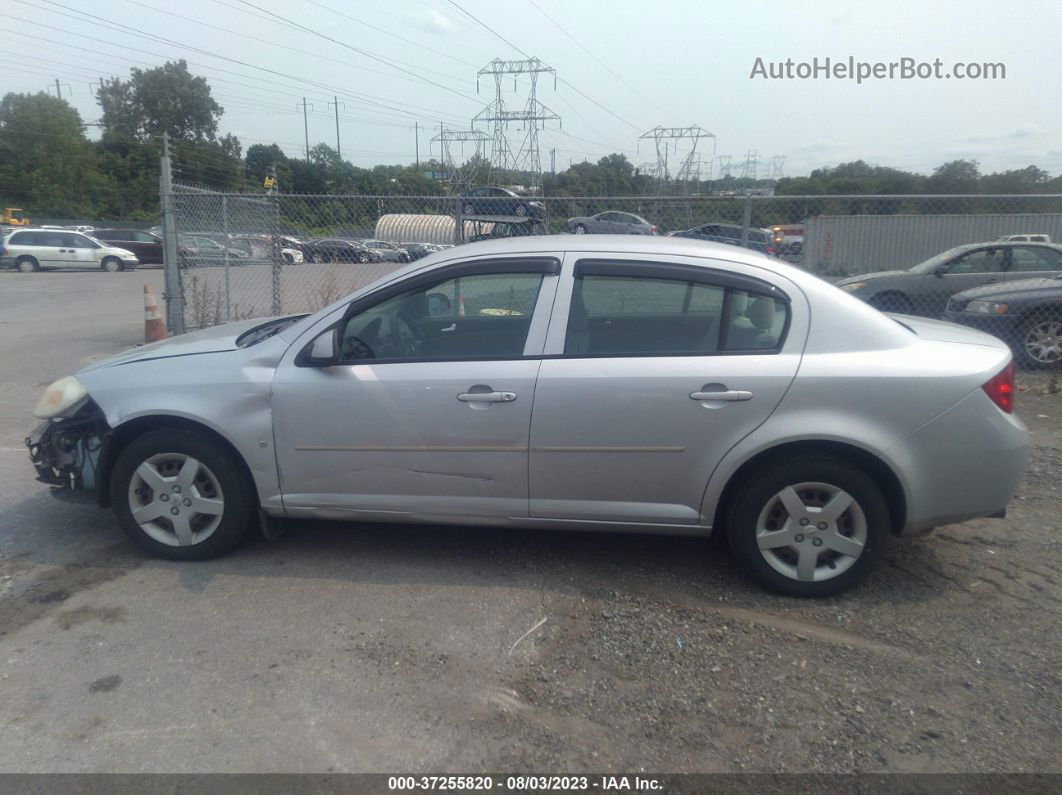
x=32 y=249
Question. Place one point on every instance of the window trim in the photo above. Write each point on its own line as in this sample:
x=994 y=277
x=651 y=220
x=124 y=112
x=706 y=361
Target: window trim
x=544 y=265
x=682 y=272
x=676 y=271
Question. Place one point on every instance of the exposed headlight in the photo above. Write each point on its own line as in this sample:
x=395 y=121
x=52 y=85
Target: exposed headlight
x=60 y=397
x=987 y=307
x=851 y=287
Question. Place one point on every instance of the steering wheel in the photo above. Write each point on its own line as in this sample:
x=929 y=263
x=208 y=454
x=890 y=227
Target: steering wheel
x=405 y=340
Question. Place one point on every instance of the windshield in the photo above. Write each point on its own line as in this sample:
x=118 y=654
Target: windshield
x=933 y=262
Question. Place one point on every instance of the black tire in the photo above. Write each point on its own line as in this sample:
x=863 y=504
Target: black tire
x=468 y=209
x=317 y=257
x=1042 y=321
x=238 y=493
x=521 y=211
x=757 y=493
x=580 y=229
x=363 y=257
x=892 y=302
x=27 y=265
x=111 y=265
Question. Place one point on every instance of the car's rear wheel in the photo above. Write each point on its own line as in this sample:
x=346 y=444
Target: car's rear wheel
x=1041 y=341
x=181 y=496
x=363 y=257
x=809 y=526
x=521 y=210
x=27 y=265
x=580 y=229
x=317 y=257
x=111 y=264
x=468 y=209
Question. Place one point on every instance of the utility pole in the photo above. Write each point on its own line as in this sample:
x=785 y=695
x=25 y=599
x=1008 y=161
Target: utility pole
x=337 y=103
x=416 y=141
x=59 y=89
x=306 y=125
x=171 y=274
x=553 y=162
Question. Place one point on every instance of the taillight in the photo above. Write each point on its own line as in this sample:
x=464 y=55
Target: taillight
x=772 y=251
x=652 y=230
x=1000 y=388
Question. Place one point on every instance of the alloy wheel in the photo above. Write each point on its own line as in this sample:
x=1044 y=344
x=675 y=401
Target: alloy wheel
x=811 y=532
x=1043 y=341
x=176 y=499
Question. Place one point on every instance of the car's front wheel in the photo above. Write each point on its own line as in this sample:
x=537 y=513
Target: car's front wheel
x=812 y=525
x=27 y=265
x=580 y=229
x=1041 y=341
x=111 y=264
x=181 y=495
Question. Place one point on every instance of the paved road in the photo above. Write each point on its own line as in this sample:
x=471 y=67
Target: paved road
x=350 y=648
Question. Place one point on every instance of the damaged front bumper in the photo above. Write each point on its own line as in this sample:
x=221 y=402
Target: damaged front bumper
x=66 y=451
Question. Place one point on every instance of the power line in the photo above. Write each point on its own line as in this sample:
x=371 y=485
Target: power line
x=389 y=33
x=583 y=47
x=358 y=50
x=93 y=19
x=588 y=98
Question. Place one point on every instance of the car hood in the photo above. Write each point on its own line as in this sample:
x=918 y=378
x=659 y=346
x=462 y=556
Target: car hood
x=866 y=277
x=215 y=339
x=1026 y=288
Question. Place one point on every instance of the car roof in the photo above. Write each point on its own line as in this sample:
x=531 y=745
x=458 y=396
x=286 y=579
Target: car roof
x=626 y=244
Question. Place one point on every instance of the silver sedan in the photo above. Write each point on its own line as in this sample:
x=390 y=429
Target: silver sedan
x=644 y=384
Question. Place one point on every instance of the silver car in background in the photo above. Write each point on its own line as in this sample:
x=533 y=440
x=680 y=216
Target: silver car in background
x=644 y=384
x=610 y=223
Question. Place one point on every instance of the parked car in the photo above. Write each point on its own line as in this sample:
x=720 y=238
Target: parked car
x=925 y=288
x=1027 y=238
x=649 y=385
x=199 y=251
x=263 y=248
x=1027 y=314
x=503 y=229
x=336 y=249
x=382 y=251
x=418 y=250
x=610 y=222
x=498 y=202
x=757 y=240
x=146 y=246
x=32 y=249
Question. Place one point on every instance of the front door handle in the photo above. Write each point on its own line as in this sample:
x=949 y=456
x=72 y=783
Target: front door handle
x=487 y=397
x=730 y=395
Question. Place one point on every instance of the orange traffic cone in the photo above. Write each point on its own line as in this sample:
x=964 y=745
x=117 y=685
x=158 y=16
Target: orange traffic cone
x=154 y=328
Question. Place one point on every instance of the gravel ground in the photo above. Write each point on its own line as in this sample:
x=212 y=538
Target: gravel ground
x=394 y=648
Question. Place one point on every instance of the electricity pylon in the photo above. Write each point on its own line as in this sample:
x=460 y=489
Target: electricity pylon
x=534 y=113
x=662 y=136
x=467 y=173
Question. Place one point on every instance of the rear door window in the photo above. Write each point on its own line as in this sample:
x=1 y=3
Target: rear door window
x=641 y=315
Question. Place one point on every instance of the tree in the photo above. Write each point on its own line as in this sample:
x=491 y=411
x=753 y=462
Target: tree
x=167 y=98
x=955 y=176
x=47 y=165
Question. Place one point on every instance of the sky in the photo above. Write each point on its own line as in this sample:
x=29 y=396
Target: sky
x=623 y=67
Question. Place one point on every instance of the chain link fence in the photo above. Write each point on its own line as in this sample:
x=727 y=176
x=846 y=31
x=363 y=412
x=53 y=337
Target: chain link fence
x=991 y=262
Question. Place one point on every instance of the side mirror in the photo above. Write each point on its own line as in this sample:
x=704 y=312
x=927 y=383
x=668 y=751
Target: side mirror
x=322 y=352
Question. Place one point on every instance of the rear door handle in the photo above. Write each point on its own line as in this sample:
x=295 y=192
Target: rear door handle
x=730 y=395
x=487 y=397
